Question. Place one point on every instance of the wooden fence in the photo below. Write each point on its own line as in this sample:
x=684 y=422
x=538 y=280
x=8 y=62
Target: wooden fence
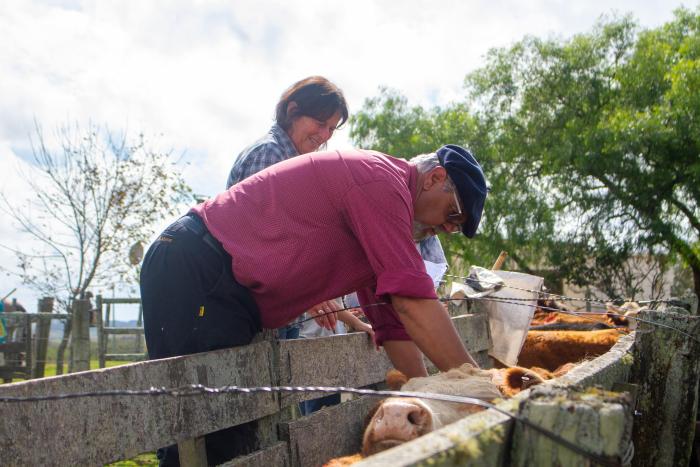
x=25 y=354
x=101 y=429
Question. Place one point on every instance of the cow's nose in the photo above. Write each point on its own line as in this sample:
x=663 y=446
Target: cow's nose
x=401 y=420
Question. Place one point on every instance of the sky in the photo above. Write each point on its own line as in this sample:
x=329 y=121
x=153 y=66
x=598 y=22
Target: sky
x=201 y=78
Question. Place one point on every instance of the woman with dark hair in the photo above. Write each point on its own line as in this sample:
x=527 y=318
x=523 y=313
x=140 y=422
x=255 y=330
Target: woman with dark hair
x=306 y=116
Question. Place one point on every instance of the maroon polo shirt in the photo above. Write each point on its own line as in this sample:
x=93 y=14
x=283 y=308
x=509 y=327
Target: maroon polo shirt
x=319 y=226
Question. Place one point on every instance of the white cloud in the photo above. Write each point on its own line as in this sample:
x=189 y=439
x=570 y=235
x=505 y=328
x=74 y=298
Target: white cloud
x=206 y=74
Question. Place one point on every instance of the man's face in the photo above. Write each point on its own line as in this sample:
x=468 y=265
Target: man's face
x=436 y=209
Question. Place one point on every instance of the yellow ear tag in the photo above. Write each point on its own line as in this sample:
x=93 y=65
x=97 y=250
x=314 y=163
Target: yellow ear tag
x=201 y=311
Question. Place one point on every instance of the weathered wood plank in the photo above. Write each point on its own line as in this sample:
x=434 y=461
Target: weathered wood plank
x=612 y=367
x=123 y=330
x=41 y=338
x=125 y=357
x=193 y=452
x=345 y=360
x=352 y=360
x=80 y=338
x=598 y=422
x=666 y=368
x=97 y=430
x=275 y=455
x=331 y=432
x=474 y=331
x=475 y=441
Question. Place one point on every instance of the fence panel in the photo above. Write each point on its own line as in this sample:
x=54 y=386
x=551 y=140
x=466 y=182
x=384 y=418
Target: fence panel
x=97 y=430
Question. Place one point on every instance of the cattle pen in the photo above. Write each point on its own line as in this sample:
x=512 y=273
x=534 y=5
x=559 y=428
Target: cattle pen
x=102 y=416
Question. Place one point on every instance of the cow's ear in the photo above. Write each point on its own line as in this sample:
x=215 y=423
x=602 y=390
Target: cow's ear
x=395 y=379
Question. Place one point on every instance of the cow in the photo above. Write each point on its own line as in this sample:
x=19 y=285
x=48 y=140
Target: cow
x=556 y=338
x=546 y=354
x=552 y=349
x=397 y=420
x=550 y=312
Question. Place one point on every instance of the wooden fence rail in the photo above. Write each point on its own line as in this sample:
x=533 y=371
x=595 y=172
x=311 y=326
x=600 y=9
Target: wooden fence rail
x=98 y=430
x=101 y=429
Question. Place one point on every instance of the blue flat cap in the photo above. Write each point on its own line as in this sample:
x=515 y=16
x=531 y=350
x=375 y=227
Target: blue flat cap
x=467 y=175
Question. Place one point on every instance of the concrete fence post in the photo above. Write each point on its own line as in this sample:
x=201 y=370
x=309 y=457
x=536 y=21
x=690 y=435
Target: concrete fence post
x=80 y=340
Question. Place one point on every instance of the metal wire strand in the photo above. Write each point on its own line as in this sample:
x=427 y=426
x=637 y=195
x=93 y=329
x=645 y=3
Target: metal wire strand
x=508 y=300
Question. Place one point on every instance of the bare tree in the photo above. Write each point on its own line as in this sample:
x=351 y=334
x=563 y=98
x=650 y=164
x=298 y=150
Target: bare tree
x=93 y=195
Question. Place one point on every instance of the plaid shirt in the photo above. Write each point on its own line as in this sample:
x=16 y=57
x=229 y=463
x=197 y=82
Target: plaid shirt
x=272 y=148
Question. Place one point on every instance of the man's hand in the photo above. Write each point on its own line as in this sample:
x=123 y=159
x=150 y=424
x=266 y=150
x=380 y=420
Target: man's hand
x=430 y=327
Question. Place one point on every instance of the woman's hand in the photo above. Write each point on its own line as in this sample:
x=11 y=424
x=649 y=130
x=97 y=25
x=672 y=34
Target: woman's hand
x=325 y=314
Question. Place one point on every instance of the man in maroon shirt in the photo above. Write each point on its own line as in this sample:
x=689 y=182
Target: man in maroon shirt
x=306 y=230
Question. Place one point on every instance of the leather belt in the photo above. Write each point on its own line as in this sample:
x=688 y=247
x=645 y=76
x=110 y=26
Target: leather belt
x=195 y=224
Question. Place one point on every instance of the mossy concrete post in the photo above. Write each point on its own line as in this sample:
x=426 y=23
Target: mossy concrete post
x=599 y=422
x=666 y=368
x=80 y=341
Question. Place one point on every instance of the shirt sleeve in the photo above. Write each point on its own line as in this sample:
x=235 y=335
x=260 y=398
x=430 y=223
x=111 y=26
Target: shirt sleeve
x=383 y=318
x=380 y=217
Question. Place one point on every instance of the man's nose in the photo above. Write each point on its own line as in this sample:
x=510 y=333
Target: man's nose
x=450 y=227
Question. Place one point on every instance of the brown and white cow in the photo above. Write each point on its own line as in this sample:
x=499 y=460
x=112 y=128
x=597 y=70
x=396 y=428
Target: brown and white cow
x=397 y=420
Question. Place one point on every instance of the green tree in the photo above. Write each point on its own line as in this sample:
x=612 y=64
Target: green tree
x=611 y=119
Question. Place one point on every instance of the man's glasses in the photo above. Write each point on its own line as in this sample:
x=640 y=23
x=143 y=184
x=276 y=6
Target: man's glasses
x=457 y=218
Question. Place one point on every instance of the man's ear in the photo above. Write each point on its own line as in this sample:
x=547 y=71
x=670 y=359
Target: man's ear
x=436 y=175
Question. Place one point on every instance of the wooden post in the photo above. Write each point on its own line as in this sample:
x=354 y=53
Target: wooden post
x=43 y=328
x=499 y=261
x=666 y=368
x=193 y=452
x=101 y=342
x=80 y=340
x=597 y=421
x=139 y=323
x=28 y=349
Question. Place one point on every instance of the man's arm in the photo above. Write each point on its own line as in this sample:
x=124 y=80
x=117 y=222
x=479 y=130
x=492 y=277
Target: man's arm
x=406 y=357
x=430 y=327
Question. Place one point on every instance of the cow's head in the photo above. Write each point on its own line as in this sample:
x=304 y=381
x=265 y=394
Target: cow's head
x=397 y=420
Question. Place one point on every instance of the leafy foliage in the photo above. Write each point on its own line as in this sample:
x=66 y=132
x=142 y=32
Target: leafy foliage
x=610 y=119
x=590 y=145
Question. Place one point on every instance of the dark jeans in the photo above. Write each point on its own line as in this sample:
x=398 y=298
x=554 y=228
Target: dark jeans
x=288 y=332
x=192 y=303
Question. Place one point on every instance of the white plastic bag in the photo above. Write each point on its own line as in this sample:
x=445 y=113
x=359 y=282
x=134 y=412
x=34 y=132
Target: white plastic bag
x=508 y=322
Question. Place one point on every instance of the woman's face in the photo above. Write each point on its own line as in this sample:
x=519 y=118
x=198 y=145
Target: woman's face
x=309 y=134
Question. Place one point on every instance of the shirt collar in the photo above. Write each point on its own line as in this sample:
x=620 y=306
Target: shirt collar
x=284 y=140
x=413 y=182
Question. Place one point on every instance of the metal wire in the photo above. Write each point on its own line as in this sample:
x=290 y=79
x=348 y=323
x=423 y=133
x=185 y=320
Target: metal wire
x=548 y=294
x=198 y=389
x=580 y=314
